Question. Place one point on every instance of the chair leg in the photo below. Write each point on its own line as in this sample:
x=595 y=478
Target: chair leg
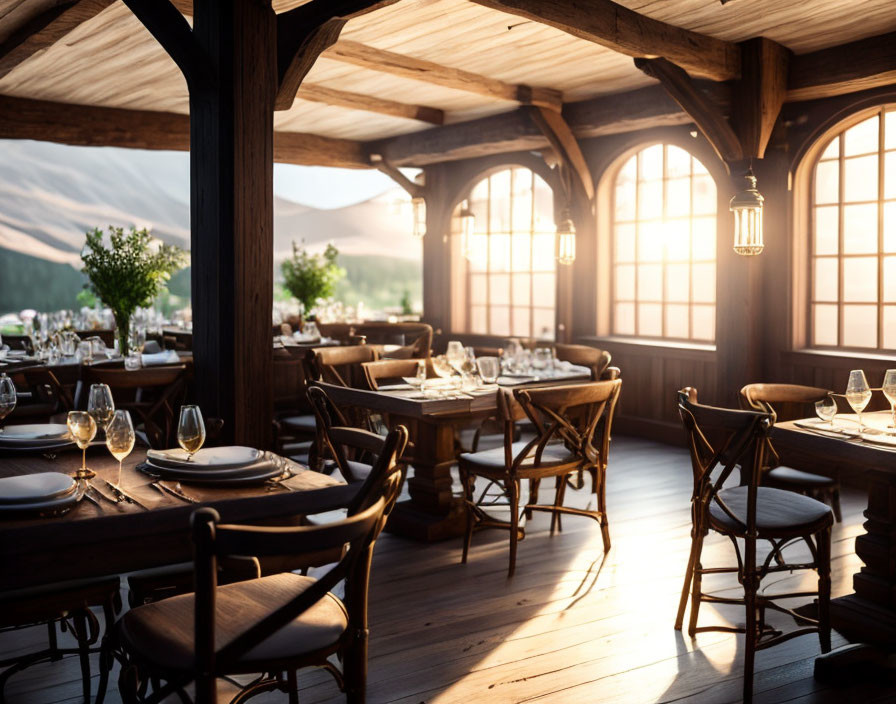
x=750 y=640
x=293 y=687
x=688 y=576
x=513 y=491
x=824 y=589
x=81 y=632
x=835 y=504
x=468 y=483
x=105 y=652
x=355 y=669
x=601 y=492
x=696 y=583
x=533 y=496
x=559 y=493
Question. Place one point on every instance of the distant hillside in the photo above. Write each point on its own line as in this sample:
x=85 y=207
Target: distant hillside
x=29 y=282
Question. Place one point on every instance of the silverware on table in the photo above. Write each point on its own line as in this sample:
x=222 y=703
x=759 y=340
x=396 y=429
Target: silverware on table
x=121 y=495
x=176 y=491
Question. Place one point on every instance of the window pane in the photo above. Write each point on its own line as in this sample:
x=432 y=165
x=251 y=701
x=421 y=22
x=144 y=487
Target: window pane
x=704 y=283
x=624 y=319
x=625 y=282
x=890 y=175
x=500 y=320
x=704 y=322
x=677 y=321
x=860 y=279
x=678 y=162
x=625 y=243
x=677 y=237
x=824 y=325
x=827 y=229
x=890 y=279
x=678 y=283
x=543 y=290
x=651 y=241
x=889 y=341
x=704 y=239
x=479 y=320
x=499 y=289
x=890 y=227
x=827 y=182
x=543 y=323
x=704 y=195
x=826 y=277
x=860 y=326
x=860 y=178
x=890 y=129
x=651 y=163
x=522 y=285
x=650 y=200
x=650 y=319
x=478 y=290
x=833 y=149
x=543 y=252
x=520 y=257
x=479 y=253
x=678 y=197
x=499 y=252
x=860 y=229
x=861 y=139
x=521 y=320
x=650 y=282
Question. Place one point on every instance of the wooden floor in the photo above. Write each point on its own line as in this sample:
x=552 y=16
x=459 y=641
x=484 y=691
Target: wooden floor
x=574 y=625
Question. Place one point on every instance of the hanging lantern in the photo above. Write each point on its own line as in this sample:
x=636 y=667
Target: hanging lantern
x=419 y=206
x=747 y=208
x=566 y=239
x=467 y=225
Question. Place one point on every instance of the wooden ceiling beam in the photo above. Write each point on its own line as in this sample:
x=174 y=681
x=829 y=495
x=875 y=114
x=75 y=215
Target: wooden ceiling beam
x=90 y=126
x=616 y=27
x=566 y=146
x=706 y=115
x=359 y=101
x=848 y=68
x=405 y=66
x=760 y=93
x=41 y=32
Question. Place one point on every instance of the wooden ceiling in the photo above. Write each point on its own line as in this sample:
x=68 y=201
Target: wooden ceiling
x=405 y=67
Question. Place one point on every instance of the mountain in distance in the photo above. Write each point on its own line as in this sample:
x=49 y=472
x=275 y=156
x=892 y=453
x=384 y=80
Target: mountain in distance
x=51 y=195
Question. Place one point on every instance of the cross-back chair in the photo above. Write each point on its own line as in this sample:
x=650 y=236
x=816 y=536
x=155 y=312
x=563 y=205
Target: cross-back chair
x=272 y=625
x=342 y=365
x=595 y=359
x=750 y=513
x=566 y=420
x=294 y=426
x=151 y=394
x=391 y=371
x=791 y=402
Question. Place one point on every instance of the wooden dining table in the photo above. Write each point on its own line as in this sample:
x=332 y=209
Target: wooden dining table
x=108 y=538
x=868 y=615
x=433 y=512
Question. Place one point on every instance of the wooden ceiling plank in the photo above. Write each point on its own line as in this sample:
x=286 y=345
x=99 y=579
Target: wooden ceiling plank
x=46 y=29
x=760 y=93
x=860 y=65
x=565 y=144
x=706 y=115
x=616 y=27
x=429 y=72
x=359 y=101
x=87 y=125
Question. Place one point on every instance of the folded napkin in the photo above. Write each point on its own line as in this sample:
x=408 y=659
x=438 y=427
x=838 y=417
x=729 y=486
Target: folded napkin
x=167 y=357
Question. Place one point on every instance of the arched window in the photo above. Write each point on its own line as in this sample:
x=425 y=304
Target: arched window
x=506 y=283
x=664 y=247
x=852 y=239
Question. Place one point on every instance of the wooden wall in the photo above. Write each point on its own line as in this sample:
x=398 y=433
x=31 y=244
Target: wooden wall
x=759 y=299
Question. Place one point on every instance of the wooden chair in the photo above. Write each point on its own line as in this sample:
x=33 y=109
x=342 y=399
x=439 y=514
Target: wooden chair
x=40 y=395
x=566 y=419
x=350 y=452
x=392 y=371
x=272 y=625
x=151 y=395
x=750 y=513
x=791 y=402
x=294 y=425
x=342 y=365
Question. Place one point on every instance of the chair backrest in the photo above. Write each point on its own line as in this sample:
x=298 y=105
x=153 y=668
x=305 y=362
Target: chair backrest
x=575 y=415
x=49 y=389
x=786 y=401
x=595 y=359
x=389 y=371
x=342 y=365
x=367 y=515
x=291 y=377
x=719 y=440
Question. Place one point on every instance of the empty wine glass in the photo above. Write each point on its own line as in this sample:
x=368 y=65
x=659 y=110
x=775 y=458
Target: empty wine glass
x=120 y=437
x=858 y=393
x=100 y=404
x=826 y=409
x=489 y=368
x=419 y=375
x=190 y=430
x=441 y=366
x=82 y=427
x=889 y=389
x=455 y=355
x=7 y=397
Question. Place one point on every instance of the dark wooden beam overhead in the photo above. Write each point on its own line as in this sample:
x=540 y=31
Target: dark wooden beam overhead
x=415 y=190
x=515 y=131
x=848 y=68
x=706 y=115
x=359 y=101
x=314 y=150
x=566 y=146
x=429 y=72
x=44 y=30
x=760 y=93
x=173 y=32
x=616 y=27
x=304 y=32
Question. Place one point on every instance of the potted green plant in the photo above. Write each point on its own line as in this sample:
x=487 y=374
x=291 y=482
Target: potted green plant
x=129 y=272
x=311 y=276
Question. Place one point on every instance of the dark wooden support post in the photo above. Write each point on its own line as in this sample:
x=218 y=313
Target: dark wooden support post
x=232 y=173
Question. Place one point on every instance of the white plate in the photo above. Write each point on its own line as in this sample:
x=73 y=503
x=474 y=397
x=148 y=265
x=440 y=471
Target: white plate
x=51 y=506
x=252 y=474
x=207 y=458
x=33 y=488
x=33 y=432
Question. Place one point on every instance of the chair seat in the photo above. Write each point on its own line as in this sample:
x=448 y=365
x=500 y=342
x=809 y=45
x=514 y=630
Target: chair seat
x=797 y=478
x=36 y=604
x=360 y=470
x=778 y=512
x=299 y=424
x=492 y=461
x=161 y=633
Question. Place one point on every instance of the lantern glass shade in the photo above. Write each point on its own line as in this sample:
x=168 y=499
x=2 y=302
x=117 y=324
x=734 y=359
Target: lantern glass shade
x=419 y=206
x=468 y=225
x=566 y=240
x=747 y=209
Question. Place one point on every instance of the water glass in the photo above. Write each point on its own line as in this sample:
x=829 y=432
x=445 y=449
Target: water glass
x=858 y=393
x=120 y=437
x=133 y=361
x=826 y=409
x=82 y=428
x=190 y=430
x=100 y=404
x=489 y=369
x=889 y=389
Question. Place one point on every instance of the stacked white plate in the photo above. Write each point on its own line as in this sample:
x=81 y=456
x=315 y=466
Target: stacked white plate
x=46 y=492
x=214 y=465
x=38 y=437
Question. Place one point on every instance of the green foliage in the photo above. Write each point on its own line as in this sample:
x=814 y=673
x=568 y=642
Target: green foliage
x=311 y=276
x=130 y=272
x=380 y=282
x=30 y=282
x=86 y=297
x=406 y=307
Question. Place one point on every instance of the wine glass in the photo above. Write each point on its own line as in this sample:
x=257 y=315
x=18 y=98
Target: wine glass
x=100 y=404
x=858 y=393
x=826 y=409
x=419 y=375
x=120 y=437
x=489 y=368
x=455 y=355
x=190 y=430
x=7 y=397
x=82 y=427
x=441 y=366
x=889 y=389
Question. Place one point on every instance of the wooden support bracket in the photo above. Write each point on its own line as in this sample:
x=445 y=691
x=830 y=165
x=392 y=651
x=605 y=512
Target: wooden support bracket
x=760 y=94
x=170 y=29
x=566 y=147
x=415 y=190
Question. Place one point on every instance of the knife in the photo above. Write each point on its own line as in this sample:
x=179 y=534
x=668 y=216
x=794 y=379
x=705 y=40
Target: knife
x=120 y=494
x=179 y=494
